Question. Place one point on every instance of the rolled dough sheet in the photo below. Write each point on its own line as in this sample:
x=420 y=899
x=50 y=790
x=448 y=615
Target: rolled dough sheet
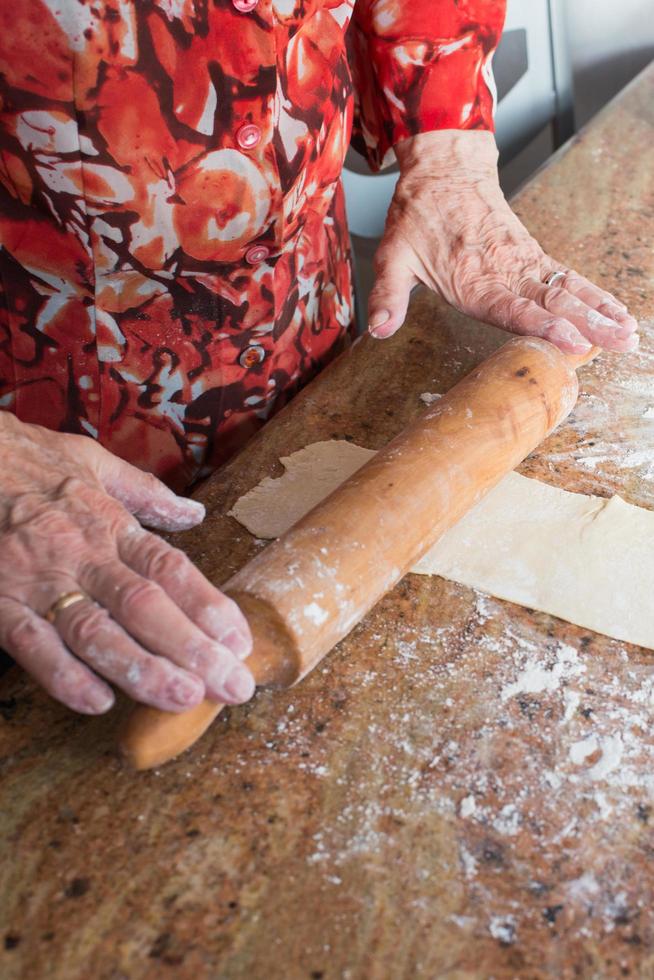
x=588 y=560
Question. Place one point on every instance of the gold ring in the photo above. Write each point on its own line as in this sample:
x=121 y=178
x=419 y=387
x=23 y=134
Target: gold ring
x=63 y=602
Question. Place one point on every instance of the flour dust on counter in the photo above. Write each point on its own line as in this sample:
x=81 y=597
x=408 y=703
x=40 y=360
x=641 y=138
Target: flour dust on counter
x=612 y=426
x=588 y=560
x=555 y=757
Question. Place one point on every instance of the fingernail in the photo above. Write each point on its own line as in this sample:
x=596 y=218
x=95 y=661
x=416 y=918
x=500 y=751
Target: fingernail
x=568 y=335
x=627 y=322
x=596 y=319
x=98 y=702
x=239 y=643
x=580 y=343
x=625 y=332
x=240 y=684
x=381 y=333
x=193 y=507
x=186 y=690
x=376 y=320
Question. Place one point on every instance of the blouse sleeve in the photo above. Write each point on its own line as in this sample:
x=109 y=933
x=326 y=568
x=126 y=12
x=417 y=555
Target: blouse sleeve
x=420 y=66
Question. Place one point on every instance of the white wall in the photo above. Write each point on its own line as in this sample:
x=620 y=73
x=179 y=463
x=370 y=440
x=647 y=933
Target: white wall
x=610 y=41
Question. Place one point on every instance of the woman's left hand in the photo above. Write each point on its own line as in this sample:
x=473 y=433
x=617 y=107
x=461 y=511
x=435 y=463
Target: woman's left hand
x=450 y=227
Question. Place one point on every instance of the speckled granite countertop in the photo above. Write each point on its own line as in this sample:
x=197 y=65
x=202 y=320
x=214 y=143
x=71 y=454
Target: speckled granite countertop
x=420 y=806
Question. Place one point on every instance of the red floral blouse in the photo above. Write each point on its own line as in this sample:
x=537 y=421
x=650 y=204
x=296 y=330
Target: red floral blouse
x=174 y=257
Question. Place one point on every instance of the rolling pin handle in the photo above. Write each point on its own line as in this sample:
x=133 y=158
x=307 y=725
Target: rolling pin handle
x=151 y=737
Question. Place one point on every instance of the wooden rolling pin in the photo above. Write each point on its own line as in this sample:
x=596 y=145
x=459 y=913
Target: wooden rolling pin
x=308 y=589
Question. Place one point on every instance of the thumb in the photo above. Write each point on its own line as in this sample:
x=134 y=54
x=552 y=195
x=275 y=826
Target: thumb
x=389 y=297
x=150 y=500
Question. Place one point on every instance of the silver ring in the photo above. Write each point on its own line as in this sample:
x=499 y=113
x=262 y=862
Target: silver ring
x=554 y=277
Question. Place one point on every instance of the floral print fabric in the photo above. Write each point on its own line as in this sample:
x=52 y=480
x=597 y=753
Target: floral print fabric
x=174 y=256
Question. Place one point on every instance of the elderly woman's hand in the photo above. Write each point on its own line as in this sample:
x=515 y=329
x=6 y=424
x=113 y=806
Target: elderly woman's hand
x=152 y=624
x=450 y=228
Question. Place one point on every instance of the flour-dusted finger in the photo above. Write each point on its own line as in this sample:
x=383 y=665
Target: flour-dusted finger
x=143 y=495
x=36 y=645
x=597 y=328
x=88 y=630
x=217 y=615
x=151 y=617
x=600 y=300
x=505 y=309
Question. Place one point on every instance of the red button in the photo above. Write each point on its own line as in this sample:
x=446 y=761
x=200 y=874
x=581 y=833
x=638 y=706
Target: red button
x=248 y=136
x=256 y=254
x=252 y=356
x=245 y=6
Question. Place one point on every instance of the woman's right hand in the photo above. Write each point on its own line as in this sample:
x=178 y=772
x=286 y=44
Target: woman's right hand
x=70 y=521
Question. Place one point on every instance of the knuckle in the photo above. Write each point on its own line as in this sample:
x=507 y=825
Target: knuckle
x=111 y=512
x=60 y=689
x=199 y=657
x=515 y=308
x=507 y=310
x=85 y=624
x=153 y=482
x=34 y=509
x=230 y=608
x=149 y=483
x=156 y=681
x=572 y=278
x=221 y=614
x=88 y=499
x=19 y=635
x=611 y=309
x=493 y=305
x=63 y=684
x=73 y=486
x=142 y=675
x=557 y=294
x=523 y=283
x=133 y=597
x=97 y=571
x=85 y=501
x=558 y=330
x=165 y=562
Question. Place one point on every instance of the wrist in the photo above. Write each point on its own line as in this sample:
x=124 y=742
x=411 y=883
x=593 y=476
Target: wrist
x=8 y=424
x=10 y=476
x=14 y=432
x=449 y=153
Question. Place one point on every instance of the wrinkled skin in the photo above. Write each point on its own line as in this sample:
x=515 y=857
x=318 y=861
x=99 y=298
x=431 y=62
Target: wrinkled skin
x=450 y=228
x=70 y=520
